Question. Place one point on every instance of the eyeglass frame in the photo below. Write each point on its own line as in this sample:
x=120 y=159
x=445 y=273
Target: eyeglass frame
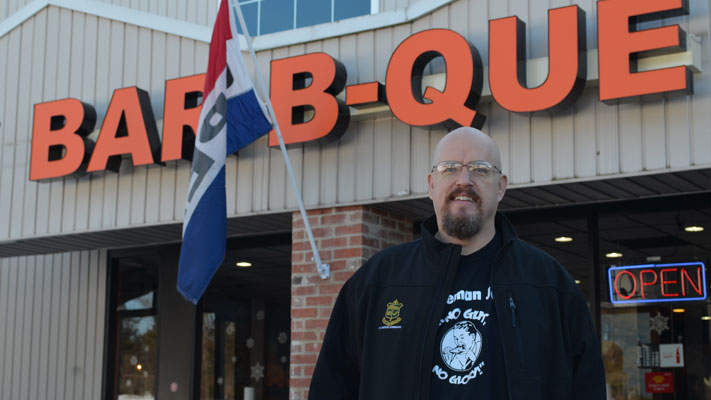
x=469 y=165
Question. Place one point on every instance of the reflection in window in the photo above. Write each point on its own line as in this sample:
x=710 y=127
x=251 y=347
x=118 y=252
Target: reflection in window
x=276 y=16
x=229 y=352
x=134 y=328
x=137 y=363
x=224 y=352
x=207 y=389
x=140 y=303
x=268 y=16
x=276 y=379
x=312 y=12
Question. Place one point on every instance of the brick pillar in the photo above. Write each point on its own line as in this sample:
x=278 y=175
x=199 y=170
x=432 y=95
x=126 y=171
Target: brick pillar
x=346 y=237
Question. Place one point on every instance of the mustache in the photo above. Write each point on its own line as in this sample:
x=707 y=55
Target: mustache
x=465 y=192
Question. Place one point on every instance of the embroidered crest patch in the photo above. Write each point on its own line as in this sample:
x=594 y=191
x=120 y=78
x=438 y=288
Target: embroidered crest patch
x=392 y=313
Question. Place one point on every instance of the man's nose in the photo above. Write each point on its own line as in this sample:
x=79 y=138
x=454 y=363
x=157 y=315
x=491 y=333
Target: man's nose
x=464 y=178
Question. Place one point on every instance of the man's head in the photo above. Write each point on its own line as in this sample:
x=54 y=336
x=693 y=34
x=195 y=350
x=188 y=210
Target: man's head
x=465 y=335
x=465 y=201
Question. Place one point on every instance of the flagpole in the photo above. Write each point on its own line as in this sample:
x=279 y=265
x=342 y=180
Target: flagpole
x=323 y=269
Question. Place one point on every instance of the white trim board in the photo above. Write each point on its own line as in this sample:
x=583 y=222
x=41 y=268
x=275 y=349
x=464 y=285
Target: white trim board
x=203 y=33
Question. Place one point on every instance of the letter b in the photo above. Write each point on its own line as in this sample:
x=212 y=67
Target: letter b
x=59 y=143
x=291 y=97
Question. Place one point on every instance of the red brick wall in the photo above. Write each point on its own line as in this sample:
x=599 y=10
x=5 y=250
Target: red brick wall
x=345 y=237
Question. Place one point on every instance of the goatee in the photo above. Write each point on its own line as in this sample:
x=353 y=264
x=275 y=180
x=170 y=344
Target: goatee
x=461 y=226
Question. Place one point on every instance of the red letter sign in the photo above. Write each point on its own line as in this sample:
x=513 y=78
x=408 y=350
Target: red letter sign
x=666 y=282
x=567 y=62
x=454 y=107
x=291 y=97
x=658 y=283
x=59 y=143
x=623 y=292
x=129 y=128
x=180 y=116
x=647 y=283
x=618 y=47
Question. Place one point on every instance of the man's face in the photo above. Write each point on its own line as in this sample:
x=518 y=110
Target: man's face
x=464 y=204
x=463 y=339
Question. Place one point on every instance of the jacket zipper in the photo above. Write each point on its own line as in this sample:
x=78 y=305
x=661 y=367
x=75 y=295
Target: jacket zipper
x=512 y=306
x=517 y=331
x=429 y=316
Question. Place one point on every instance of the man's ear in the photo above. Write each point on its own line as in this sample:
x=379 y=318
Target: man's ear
x=503 y=184
x=429 y=185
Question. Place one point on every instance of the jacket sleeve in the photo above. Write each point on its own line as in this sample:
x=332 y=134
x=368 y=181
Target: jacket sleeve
x=588 y=368
x=337 y=375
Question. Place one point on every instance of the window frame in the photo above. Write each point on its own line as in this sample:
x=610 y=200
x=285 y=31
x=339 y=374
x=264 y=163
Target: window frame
x=374 y=9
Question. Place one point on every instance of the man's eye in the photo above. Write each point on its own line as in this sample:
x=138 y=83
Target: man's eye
x=449 y=170
x=479 y=170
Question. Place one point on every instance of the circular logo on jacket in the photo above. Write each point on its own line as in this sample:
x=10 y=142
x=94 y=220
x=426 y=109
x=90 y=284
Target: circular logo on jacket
x=460 y=346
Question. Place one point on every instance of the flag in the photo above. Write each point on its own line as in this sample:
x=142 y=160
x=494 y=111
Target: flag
x=231 y=118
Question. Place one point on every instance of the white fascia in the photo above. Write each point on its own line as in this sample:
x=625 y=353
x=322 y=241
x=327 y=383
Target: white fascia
x=203 y=33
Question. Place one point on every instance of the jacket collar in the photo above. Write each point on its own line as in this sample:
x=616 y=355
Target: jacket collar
x=434 y=249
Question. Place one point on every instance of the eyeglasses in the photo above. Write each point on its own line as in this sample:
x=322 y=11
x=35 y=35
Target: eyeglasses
x=477 y=169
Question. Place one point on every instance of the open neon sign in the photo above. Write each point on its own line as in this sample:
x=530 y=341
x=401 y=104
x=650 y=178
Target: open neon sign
x=657 y=283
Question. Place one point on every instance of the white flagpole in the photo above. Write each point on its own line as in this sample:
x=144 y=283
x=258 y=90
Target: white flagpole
x=323 y=269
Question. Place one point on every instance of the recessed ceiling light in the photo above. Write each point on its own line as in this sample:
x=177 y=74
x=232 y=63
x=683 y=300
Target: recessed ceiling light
x=694 y=228
x=706 y=318
x=678 y=310
x=577 y=281
x=613 y=254
x=244 y=264
x=563 y=239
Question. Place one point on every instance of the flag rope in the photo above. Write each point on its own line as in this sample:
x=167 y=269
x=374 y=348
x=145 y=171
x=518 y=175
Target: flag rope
x=323 y=269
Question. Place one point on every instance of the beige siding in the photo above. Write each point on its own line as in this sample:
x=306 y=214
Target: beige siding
x=60 y=53
x=201 y=12
x=52 y=325
x=390 y=5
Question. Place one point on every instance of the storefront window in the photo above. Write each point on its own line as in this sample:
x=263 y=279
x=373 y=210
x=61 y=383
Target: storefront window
x=277 y=349
x=566 y=239
x=245 y=335
x=642 y=268
x=137 y=364
x=240 y=357
x=225 y=352
x=135 y=326
x=655 y=312
x=268 y=16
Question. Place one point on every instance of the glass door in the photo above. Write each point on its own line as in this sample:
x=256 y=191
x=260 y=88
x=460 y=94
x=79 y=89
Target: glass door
x=655 y=309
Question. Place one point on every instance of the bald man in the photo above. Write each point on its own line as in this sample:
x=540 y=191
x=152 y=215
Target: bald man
x=469 y=311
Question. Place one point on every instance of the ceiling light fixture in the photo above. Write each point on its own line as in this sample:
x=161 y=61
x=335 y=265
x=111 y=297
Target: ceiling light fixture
x=694 y=228
x=563 y=239
x=678 y=310
x=243 y=264
x=613 y=254
x=706 y=318
x=577 y=281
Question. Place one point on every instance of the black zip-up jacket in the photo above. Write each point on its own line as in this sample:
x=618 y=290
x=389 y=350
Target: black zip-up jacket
x=550 y=347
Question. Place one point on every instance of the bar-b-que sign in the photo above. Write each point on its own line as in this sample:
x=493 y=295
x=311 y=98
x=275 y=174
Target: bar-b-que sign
x=311 y=82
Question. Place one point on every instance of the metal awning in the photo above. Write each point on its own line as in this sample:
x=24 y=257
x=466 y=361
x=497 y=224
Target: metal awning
x=527 y=197
x=583 y=192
